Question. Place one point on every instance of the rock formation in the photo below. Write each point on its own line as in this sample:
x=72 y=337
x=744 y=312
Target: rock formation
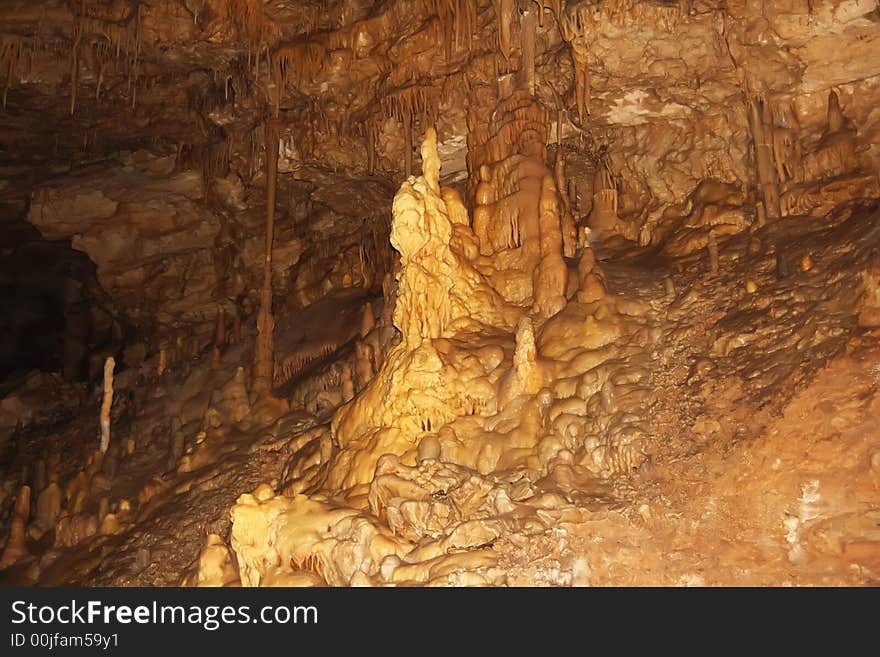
x=448 y=292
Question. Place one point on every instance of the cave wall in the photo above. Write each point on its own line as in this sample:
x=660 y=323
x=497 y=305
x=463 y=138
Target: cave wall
x=158 y=110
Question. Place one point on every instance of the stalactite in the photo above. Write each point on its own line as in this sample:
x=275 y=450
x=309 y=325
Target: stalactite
x=408 y=104
x=505 y=14
x=572 y=26
x=12 y=50
x=74 y=65
x=415 y=101
x=603 y=215
x=529 y=46
x=293 y=64
x=458 y=21
x=370 y=136
x=216 y=161
x=251 y=24
x=787 y=151
x=102 y=57
x=264 y=354
x=134 y=91
x=758 y=120
x=116 y=29
x=665 y=15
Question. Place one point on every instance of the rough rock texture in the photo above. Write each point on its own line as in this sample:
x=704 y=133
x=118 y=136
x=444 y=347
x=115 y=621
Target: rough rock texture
x=561 y=292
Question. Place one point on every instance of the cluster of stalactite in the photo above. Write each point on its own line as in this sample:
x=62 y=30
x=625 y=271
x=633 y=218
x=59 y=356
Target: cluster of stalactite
x=15 y=59
x=665 y=15
x=786 y=167
x=459 y=23
x=374 y=255
x=292 y=64
x=407 y=105
x=253 y=27
x=212 y=158
x=105 y=37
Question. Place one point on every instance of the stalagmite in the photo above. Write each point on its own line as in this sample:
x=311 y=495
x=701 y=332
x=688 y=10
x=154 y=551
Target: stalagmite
x=526 y=371
x=551 y=277
x=363 y=364
x=591 y=280
x=216 y=565
x=232 y=399
x=49 y=503
x=347 y=380
x=175 y=445
x=836 y=152
x=74 y=64
x=107 y=403
x=368 y=320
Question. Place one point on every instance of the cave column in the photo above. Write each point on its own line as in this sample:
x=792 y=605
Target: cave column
x=264 y=356
x=761 y=126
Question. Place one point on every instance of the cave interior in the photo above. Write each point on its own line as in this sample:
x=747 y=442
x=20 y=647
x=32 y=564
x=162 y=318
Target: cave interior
x=440 y=292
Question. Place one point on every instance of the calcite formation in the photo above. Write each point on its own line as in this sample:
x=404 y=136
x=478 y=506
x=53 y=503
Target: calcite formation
x=450 y=393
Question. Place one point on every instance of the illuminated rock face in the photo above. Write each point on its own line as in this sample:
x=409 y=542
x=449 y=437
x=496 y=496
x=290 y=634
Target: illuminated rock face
x=517 y=218
x=427 y=380
x=469 y=388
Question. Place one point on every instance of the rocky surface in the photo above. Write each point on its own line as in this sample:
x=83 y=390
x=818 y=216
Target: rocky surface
x=560 y=292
